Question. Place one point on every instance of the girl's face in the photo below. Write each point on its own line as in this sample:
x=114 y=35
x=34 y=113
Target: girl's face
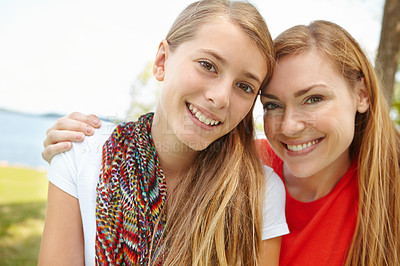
x=310 y=113
x=209 y=83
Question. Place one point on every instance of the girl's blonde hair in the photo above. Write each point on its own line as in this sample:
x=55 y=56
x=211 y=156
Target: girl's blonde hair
x=214 y=218
x=376 y=143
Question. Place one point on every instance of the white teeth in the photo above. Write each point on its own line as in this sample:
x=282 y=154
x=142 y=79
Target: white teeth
x=301 y=147
x=202 y=117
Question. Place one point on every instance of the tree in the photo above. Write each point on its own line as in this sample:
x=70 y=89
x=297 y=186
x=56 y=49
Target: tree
x=144 y=94
x=387 y=59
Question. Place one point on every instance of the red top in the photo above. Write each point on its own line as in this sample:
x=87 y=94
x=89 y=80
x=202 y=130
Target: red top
x=321 y=230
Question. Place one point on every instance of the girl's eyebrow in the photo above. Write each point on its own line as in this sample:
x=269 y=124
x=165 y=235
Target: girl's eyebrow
x=252 y=76
x=214 y=54
x=224 y=62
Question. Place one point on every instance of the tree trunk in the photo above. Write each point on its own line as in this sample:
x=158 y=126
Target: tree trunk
x=387 y=58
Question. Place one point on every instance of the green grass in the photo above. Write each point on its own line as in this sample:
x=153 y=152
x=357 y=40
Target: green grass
x=23 y=195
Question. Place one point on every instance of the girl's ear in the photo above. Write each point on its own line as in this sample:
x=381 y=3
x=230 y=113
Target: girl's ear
x=362 y=97
x=160 y=60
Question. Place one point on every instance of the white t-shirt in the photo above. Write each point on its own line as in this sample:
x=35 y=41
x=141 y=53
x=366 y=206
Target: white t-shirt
x=77 y=173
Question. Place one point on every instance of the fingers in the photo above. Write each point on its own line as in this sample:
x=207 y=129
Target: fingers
x=72 y=127
x=76 y=122
x=58 y=141
x=51 y=150
x=91 y=120
x=56 y=136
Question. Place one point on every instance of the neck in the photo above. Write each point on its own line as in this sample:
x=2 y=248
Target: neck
x=175 y=157
x=311 y=188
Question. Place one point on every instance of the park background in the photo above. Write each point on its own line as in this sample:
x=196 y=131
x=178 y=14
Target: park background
x=95 y=57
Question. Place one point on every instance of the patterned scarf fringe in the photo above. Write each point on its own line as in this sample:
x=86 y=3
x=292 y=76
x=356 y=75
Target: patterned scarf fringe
x=131 y=194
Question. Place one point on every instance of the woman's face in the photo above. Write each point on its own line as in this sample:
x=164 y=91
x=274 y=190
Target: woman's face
x=209 y=83
x=310 y=113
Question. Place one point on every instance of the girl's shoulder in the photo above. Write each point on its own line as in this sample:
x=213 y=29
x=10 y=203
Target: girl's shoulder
x=69 y=169
x=274 y=182
x=274 y=220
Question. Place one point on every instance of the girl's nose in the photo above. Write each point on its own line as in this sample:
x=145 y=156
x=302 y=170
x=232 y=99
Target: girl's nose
x=219 y=94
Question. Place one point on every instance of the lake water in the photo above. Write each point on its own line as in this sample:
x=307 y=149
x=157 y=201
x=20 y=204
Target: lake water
x=21 y=138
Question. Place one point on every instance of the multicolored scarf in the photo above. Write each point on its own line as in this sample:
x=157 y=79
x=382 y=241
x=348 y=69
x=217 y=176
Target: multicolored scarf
x=130 y=196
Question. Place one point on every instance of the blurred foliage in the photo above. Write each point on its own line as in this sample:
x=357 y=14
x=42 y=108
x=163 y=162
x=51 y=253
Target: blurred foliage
x=395 y=110
x=144 y=93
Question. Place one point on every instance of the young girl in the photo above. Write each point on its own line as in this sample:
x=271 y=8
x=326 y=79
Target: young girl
x=182 y=186
x=336 y=149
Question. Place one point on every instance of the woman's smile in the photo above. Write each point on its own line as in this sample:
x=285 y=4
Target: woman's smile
x=301 y=148
x=309 y=118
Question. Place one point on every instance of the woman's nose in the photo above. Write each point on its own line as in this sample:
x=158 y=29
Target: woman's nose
x=293 y=123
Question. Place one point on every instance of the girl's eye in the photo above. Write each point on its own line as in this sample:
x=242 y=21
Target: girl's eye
x=208 y=66
x=314 y=99
x=245 y=87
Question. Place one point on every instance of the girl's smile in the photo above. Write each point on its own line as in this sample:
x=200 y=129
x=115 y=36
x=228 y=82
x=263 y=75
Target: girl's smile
x=207 y=122
x=210 y=84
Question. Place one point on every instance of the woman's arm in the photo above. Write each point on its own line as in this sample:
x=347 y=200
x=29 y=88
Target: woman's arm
x=270 y=251
x=72 y=127
x=62 y=240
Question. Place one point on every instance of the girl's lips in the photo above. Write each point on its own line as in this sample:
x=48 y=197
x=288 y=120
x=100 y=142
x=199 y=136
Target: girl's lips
x=200 y=116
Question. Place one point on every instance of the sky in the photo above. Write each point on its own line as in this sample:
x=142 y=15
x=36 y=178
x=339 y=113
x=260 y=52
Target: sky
x=84 y=55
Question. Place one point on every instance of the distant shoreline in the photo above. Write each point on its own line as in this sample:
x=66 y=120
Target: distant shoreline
x=50 y=115
x=56 y=115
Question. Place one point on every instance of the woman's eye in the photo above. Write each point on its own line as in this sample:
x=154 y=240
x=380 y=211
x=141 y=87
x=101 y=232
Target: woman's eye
x=270 y=106
x=314 y=99
x=245 y=87
x=208 y=66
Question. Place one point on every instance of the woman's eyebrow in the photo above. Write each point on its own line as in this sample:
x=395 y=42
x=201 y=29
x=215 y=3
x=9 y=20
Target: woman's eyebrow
x=271 y=96
x=297 y=93
x=304 y=91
